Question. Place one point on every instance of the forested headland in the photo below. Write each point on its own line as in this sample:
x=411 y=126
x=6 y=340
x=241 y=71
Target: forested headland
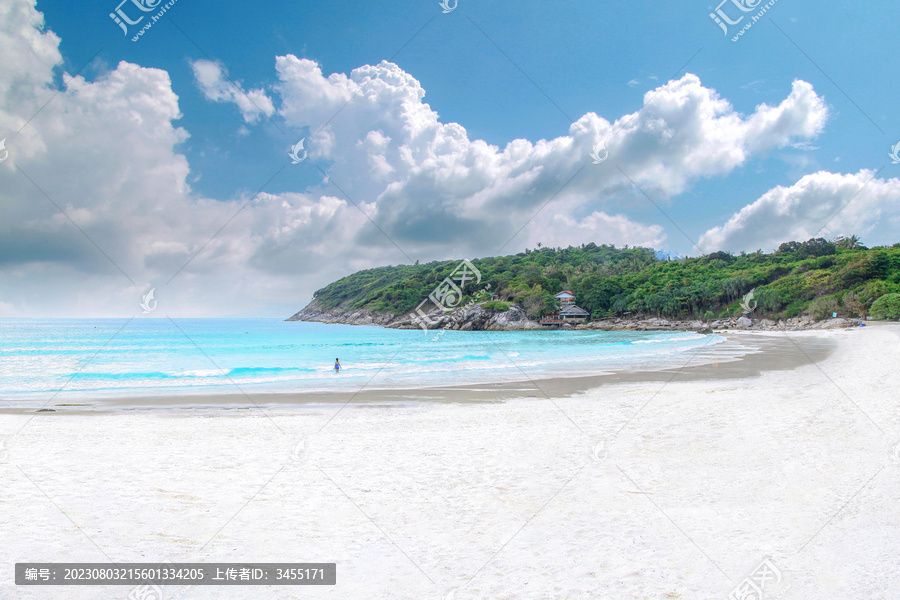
x=815 y=278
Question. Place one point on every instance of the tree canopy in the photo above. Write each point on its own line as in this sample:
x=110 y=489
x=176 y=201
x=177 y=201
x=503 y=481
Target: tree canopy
x=815 y=277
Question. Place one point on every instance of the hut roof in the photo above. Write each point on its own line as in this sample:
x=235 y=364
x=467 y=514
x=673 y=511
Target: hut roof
x=573 y=310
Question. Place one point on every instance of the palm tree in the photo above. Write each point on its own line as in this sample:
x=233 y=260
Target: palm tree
x=853 y=242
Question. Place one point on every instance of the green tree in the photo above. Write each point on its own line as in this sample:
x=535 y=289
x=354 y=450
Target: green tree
x=855 y=303
x=768 y=300
x=848 y=243
x=630 y=281
x=887 y=307
x=595 y=294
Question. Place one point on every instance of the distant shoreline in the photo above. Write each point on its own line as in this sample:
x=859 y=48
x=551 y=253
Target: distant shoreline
x=476 y=318
x=766 y=352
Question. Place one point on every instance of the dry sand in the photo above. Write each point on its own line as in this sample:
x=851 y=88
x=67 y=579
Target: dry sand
x=674 y=484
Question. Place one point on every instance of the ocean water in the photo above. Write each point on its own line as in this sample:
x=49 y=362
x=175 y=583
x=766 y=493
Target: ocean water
x=85 y=358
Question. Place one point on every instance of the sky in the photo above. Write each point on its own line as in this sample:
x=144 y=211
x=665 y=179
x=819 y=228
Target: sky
x=156 y=154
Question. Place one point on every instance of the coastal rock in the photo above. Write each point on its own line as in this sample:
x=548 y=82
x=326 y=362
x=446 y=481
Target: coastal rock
x=477 y=318
x=473 y=318
x=835 y=323
x=513 y=319
x=316 y=312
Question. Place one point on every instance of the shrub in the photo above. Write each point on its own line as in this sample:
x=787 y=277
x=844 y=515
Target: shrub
x=496 y=305
x=821 y=308
x=768 y=300
x=808 y=249
x=815 y=283
x=788 y=247
x=873 y=290
x=823 y=262
x=854 y=303
x=874 y=265
x=793 y=309
x=886 y=307
x=538 y=303
x=815 y=247
x=724 y=257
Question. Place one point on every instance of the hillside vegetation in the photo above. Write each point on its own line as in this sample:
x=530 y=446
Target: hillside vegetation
x=814 y=278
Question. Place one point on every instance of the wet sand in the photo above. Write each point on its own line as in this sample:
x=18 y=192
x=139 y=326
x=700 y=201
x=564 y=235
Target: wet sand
x=757 y=353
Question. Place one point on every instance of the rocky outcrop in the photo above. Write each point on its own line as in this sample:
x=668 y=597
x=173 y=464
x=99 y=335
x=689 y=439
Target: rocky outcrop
x=474 y=318
x=795 y=324
x=477 y=318
x=315 y=312
x=617 y=324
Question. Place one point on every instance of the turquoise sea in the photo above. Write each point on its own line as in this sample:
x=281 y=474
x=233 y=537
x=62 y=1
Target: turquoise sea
x=81 y=358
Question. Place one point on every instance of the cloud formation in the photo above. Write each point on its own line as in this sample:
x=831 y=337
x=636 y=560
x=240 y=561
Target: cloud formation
x=107 y=152
x=217 y=86
x=821 y=204
x=391 y=149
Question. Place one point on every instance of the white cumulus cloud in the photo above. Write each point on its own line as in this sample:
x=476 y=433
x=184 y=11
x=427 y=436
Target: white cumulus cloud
x=216 y=86
x=821 y=204
x=430 y=181
x=108 y=153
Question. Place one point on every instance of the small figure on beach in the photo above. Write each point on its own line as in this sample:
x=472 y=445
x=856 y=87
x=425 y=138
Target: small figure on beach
x=337 y=366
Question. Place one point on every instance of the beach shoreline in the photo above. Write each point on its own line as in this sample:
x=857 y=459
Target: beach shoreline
x=764 y=351
x=477 y=318
x=672 y=485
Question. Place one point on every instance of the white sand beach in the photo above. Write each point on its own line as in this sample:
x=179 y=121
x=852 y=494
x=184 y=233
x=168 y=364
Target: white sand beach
x=665 y=489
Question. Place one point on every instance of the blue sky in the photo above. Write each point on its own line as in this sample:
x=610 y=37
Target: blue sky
x=583 y=57
x=544 y=66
